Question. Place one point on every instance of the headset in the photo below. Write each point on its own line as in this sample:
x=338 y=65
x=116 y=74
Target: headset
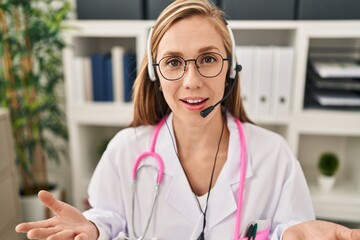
x=232 y=74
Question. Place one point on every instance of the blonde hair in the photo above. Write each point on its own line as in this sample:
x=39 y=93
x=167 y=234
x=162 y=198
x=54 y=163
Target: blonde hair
x=149 y=103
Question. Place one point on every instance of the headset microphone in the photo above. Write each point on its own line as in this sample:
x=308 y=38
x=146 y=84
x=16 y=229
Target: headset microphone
x=208 y=110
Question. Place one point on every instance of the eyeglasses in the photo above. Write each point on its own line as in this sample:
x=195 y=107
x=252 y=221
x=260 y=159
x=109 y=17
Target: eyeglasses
x=209 y=65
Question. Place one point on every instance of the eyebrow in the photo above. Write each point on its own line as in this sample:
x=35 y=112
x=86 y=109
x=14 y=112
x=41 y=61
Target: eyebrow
x=201 y=50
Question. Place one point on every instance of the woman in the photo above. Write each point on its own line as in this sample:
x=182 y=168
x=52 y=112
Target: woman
x=191 y=69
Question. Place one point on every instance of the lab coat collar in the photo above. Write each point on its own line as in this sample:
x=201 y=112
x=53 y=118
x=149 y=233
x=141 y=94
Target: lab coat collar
x=179 y=195
x=168 y=144
x=222 y=202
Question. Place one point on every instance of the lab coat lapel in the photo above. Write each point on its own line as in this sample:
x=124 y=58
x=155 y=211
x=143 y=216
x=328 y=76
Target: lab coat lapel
x=223 y=198
x=181 y=197
x=179 y=194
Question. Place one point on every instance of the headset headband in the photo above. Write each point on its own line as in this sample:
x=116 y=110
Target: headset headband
x=233 y=68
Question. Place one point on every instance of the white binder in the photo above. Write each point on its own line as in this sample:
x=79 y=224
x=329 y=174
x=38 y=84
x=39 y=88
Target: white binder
x=88 y=86
x=117 y=56
x=244 y=56
x=79 y=92
x=282 y=78
x=263 y=64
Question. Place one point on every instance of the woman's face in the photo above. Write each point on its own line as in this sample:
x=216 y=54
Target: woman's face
x=193 y=92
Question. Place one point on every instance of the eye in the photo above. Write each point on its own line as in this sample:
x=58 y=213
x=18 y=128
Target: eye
x=173 y=62
x=208 y=59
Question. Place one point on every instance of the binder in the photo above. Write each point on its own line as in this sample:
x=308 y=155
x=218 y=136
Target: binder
x=129 y=75
x=263 y=57
x=108 y=80
x=98 y=73
x=79 y=90
x=101 y=77
x=282 y=79
x=336 y=98
x=337 y=68
x=117 y=55
x=244 y=56
x=88 y=79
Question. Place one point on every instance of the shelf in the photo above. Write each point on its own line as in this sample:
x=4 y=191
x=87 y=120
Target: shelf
x=265 y=25
x=108 y=28
x=328 y=122
x=104 y=114
x=342 y=203
x=283 y=121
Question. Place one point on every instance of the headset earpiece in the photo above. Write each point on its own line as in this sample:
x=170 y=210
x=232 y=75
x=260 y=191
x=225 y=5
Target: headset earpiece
x=233 y=64
x=150 y=67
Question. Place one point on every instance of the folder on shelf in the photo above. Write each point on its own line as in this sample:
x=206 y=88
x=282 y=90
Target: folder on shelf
x=117 y=55
x=282 y=79
x=336 y=68
x=98 y=73
x=83 y=79
x=79 y=81
x=129 y=61
x=262 y=72
x=101 y=77
x=87 y=79
x=336 y=98
x=244 y=56
x=108 y=80
x=332 y=83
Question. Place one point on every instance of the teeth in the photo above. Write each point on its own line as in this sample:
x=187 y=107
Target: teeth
x=193 y=101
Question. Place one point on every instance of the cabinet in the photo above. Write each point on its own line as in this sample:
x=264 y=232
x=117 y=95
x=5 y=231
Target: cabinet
x=10 y=202
x=308 y=131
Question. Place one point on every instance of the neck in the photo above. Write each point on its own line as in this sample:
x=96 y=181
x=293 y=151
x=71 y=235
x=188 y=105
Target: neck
x=195 y=139
x=202 y=151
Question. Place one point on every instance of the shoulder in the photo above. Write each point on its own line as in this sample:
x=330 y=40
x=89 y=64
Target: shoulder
x=128 y=143
x=267 y=146
x=131 y=136
x=257 y=134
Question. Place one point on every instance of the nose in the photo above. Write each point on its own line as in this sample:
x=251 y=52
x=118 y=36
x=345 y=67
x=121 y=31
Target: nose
x=192 y=78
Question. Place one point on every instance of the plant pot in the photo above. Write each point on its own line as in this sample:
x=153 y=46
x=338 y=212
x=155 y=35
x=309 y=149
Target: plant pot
x=33 y=209
x=326 y=183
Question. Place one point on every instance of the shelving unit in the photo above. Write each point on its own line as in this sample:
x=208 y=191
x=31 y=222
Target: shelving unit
x=91 y=122
x=308 y=131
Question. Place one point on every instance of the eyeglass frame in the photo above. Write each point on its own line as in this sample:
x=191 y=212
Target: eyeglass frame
x=195 y=62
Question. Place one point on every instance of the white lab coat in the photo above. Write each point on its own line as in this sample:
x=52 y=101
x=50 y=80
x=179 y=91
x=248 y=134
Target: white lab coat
x=275 y=195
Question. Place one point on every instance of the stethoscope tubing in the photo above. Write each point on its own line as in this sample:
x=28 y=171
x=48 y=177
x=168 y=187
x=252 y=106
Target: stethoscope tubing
x=153 y=154
x=243 y=155
x=160 y=172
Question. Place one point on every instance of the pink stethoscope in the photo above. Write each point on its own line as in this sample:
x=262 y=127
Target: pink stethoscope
x=160 y=169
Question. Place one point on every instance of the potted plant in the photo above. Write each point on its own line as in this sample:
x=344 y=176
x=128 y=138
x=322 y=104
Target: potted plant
x=30 y=74
x=328 y=165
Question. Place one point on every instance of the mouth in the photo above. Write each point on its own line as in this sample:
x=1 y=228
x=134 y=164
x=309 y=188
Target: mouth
x=194 y=101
